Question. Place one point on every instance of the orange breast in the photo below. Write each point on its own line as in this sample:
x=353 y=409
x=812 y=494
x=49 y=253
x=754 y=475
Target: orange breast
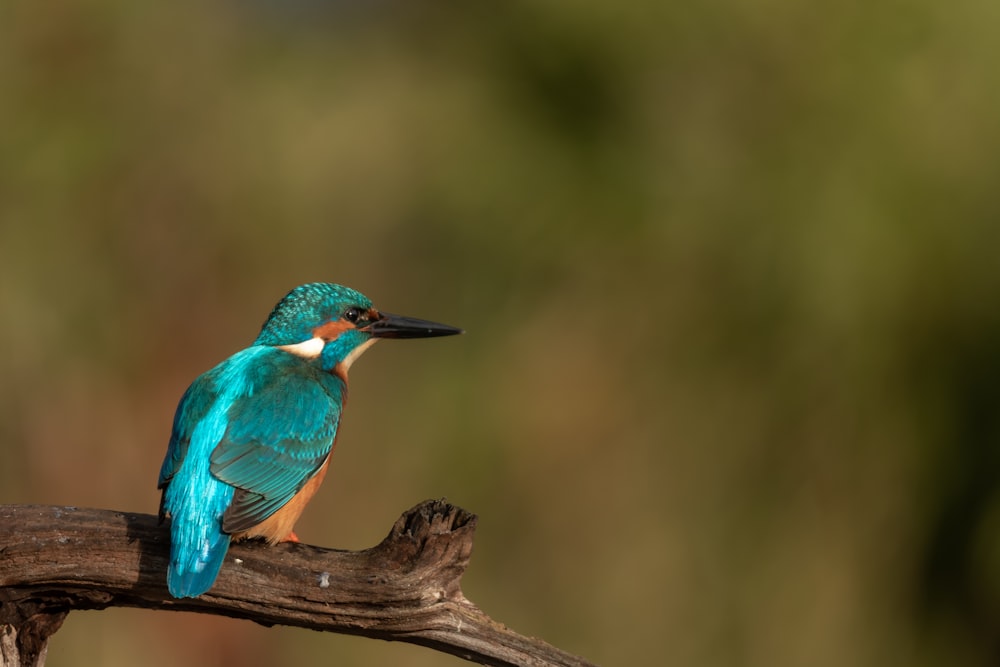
x=278 y=526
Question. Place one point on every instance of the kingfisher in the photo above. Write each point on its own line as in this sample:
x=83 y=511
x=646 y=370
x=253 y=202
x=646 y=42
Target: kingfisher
x=252 y=437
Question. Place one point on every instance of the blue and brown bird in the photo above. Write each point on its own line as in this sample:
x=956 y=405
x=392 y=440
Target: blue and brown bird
x=252 y=437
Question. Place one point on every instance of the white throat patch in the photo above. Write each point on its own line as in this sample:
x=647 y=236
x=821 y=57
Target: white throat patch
x=312 y=348
x=345 y=365
x=307 y=349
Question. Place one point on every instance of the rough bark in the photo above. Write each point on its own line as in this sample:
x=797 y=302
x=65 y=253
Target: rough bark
x=407 y=588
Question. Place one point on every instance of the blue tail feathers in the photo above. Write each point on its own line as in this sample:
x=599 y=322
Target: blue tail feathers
x=193 y=571
x=195 y=502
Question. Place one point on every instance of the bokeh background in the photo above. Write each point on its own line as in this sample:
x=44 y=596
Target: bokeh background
x=729 y=273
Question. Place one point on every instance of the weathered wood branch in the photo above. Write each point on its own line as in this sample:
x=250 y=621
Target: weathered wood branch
x=407 y=588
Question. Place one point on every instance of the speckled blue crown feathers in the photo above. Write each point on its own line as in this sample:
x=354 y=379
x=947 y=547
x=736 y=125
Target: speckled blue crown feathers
x=295 y=316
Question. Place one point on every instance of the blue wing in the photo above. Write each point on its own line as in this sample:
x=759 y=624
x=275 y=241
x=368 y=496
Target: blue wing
x=277 y=439
x=193 y=406
x=247 y=436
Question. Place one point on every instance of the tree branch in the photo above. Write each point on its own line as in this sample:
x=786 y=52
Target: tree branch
x=407 y=588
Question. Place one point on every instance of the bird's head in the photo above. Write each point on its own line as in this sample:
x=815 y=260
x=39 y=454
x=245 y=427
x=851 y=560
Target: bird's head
x=335 y=324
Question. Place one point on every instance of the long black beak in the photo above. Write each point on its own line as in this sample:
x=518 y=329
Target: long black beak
x=398 y=326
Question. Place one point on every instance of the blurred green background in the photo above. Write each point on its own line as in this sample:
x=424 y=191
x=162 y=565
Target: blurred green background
x=729 y=274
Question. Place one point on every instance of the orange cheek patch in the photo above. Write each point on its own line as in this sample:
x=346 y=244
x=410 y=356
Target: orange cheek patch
x=331 y=330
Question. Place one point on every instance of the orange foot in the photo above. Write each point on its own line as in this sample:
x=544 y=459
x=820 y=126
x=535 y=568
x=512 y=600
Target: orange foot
x=291 y=537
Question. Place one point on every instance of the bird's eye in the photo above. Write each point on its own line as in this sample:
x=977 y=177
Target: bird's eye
x=352 y=314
